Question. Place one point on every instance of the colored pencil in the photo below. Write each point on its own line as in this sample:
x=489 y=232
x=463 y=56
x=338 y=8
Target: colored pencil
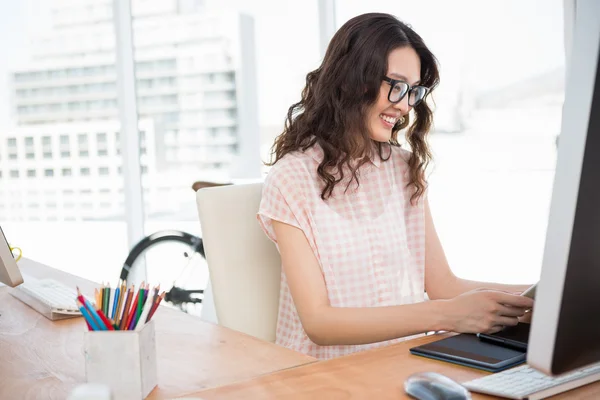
x=100 y=296
x=141 y=321
x=123 y=323
x=141 y=302
x=106 y=297
x=84 y=312
x=115 y=303
x=117 y=317
x=96 y=297
x=105 y=321
x=91 y=310
x=86 y=315
x=133 y=311
x=80 y=300
x=126 y=299
x=156 y=304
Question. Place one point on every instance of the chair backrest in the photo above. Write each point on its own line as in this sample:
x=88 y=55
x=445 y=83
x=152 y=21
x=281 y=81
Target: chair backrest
x=244 y=265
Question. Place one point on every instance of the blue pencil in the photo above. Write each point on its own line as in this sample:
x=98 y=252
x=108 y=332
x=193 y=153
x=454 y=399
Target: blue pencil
x=87 y=316
x=91 y=310
x=94 y=314
x=115 y=301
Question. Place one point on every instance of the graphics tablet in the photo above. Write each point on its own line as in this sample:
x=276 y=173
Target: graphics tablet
x=470 y=351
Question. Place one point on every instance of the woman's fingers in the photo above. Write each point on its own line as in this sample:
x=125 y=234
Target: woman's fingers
x=511 y=311
x=506 y=321
x=495 y=329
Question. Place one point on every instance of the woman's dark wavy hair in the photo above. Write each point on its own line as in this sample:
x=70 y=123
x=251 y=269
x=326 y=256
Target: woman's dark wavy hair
x=334 y=105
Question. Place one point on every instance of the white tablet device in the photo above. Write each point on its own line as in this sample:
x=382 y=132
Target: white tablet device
x=9 y=271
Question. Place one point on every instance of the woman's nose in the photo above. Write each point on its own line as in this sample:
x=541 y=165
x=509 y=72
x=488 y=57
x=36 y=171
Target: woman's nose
x=403 y=106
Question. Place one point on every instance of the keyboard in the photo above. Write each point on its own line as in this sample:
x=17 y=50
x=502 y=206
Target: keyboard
x=50 y=298
x=525 y=382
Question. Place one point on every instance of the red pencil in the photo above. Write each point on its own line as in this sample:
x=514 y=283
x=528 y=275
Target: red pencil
x=132 y=312
x=82 y=300
x=155 y=306
x=105 y=320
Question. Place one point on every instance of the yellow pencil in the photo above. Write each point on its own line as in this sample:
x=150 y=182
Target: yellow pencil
x=100 y=297
x=96 y=297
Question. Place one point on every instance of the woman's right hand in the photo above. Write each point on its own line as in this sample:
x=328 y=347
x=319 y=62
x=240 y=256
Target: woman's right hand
x=485 y=311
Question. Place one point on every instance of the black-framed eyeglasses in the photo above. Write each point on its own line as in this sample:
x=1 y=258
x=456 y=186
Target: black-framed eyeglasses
x=399 y=89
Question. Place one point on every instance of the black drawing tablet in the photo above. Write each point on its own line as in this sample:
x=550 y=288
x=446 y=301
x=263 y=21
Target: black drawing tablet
x=470 y=351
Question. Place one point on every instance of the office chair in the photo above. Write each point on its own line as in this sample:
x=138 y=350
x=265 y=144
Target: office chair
x=187 y=252
x=244 y=265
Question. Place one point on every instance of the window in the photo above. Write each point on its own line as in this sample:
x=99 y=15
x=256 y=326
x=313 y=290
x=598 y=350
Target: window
x=118 y=143
x=80 y=98
x=103 y=171
x=101 y=140
x=29 y=141
x=48 y=173
x=31 y=173
x=14 y=173
x=66 y=172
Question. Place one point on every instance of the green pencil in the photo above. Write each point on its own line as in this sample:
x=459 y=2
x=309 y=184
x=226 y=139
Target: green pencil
x=106 y=304
x=141 y=298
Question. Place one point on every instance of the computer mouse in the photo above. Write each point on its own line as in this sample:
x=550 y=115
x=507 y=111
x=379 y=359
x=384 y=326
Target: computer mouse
x=434 y=386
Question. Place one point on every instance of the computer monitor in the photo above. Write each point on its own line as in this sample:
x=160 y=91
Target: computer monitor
x=565 y=331
x=9 y=271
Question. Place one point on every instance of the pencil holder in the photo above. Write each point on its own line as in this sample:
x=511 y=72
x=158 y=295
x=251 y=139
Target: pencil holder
x=123 y=360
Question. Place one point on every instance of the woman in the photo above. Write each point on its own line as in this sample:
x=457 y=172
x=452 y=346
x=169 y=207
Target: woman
x=347 y=206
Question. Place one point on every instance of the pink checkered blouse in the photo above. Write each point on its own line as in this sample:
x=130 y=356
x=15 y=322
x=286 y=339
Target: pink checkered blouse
x=369 y=241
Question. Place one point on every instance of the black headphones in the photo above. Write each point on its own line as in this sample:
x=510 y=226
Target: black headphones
x=177 y=236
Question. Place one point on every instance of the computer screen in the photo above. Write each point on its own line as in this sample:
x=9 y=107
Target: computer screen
x=565 y=331
x=9 y=271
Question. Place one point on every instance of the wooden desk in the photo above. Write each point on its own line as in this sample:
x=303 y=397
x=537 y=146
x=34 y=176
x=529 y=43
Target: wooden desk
x=374 y=374
x=40 y=358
